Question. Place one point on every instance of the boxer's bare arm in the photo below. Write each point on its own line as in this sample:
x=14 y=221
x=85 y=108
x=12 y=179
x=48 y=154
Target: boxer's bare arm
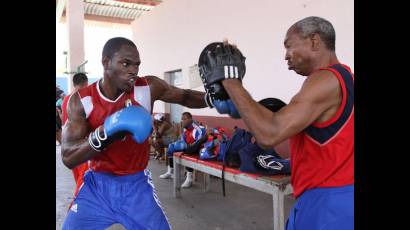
x=75 y=148
x=160 y=90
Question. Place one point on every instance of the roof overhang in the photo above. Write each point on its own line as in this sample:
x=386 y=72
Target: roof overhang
x=111 y=11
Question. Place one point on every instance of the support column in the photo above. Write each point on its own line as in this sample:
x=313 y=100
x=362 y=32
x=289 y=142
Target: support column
x=75 y=29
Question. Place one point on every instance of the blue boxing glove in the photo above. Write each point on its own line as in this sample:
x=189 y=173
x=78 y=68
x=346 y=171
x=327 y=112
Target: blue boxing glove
x=233 y=112
x=133 y=119
x=227 y=107
x=222 y=106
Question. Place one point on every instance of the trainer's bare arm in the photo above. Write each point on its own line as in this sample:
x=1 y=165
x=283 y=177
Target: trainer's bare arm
x=75 y=148
x=160 y=90
x=317 y=101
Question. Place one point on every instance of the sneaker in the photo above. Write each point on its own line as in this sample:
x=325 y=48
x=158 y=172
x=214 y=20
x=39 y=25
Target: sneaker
x=188 y=180
x=166 y=175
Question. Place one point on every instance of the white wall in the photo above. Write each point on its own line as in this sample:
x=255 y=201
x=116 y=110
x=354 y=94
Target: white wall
x=173 y=34
x=96 y=34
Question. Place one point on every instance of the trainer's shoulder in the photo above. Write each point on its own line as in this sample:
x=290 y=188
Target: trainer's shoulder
x=318 y=86
x=323 y=76
x=323 y=72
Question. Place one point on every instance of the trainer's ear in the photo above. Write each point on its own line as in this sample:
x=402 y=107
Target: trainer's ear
x=315 y=39
x=106 y=62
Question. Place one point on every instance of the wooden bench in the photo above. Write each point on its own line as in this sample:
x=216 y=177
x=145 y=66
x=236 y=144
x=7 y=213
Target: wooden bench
x=278 y=186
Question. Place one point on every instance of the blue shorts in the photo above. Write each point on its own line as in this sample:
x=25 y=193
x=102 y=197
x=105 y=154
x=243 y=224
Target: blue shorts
x=323 y=209
x=106 y=199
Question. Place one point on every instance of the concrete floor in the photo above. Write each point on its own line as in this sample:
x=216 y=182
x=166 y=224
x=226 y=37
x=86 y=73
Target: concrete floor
x=242 y=208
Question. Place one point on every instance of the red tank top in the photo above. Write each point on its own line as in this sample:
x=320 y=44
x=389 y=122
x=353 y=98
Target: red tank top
x=323 y=154
x=125 y=156
x=189 y=138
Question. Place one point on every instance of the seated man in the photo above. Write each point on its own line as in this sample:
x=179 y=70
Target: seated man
x=192 y=138
x=165 y=134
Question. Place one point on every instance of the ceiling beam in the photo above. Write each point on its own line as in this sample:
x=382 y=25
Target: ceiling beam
x=143 y=2
x=99 y=18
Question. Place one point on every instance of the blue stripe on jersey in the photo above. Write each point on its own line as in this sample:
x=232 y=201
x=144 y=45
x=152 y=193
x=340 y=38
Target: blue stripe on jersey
x=322 y=135
x=198 y=132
